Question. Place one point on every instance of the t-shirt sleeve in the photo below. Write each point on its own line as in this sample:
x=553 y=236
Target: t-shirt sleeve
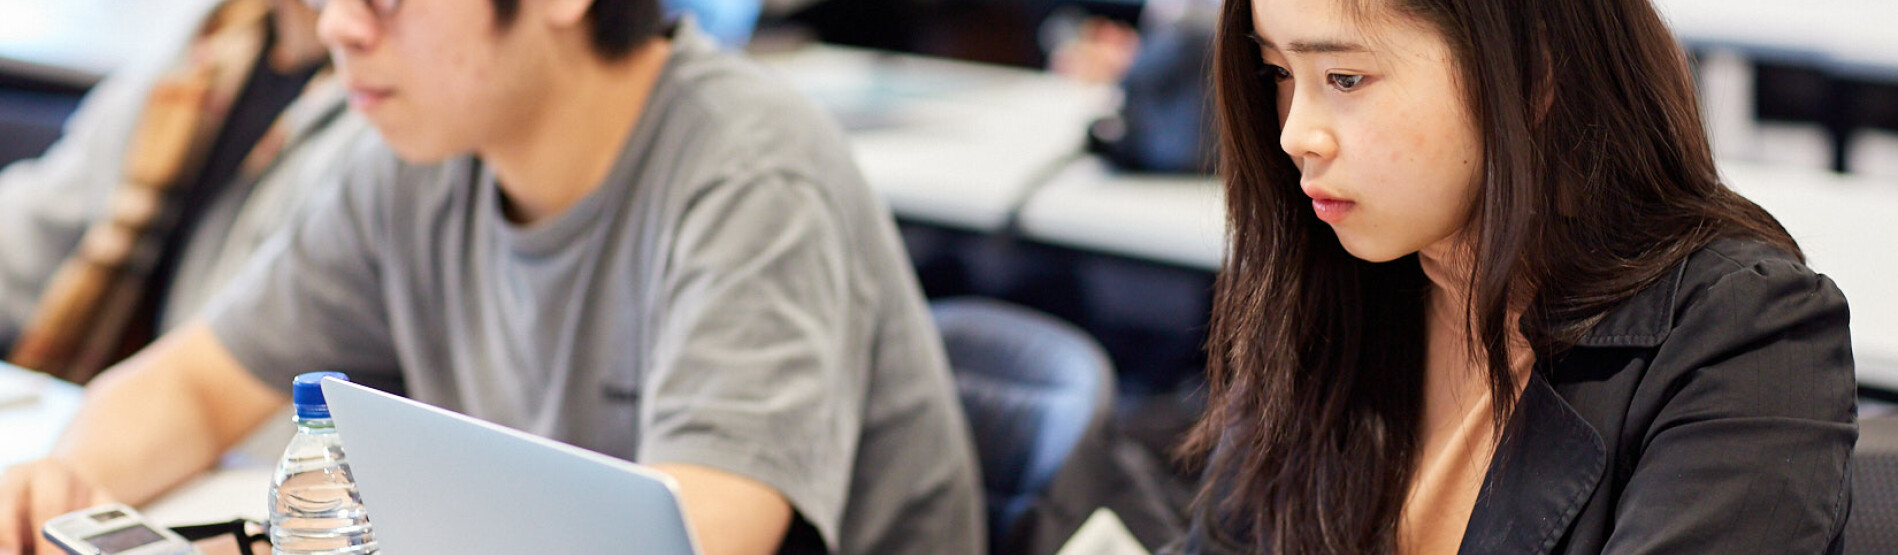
x=749 y=374
x=310 y=300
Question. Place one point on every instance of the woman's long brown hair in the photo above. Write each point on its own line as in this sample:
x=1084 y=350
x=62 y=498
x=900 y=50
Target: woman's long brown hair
x=1597 y=180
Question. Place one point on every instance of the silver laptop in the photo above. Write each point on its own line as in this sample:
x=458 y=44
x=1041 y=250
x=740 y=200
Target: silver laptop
x=439 y=482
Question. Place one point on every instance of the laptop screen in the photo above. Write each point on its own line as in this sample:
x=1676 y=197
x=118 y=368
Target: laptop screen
x=435 y=481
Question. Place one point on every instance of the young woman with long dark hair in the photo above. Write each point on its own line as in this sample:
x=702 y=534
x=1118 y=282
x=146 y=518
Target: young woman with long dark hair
x=1486 y=293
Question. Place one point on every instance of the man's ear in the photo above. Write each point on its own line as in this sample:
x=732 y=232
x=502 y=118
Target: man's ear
x=567 y=13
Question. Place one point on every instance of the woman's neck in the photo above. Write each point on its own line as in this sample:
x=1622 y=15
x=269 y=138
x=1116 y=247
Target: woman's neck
x=1451 y=319
x=1457 y=363
x=1447 y=264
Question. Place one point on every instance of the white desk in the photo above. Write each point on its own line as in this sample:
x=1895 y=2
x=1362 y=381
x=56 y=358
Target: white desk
x=238 y=487
x=75 y=42
x=1178 y=220
x=947 y=142
x=1854 y=36
x=33 y=410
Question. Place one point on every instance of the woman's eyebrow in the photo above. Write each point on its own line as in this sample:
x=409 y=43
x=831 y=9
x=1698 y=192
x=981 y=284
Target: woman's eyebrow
x=1312 y=46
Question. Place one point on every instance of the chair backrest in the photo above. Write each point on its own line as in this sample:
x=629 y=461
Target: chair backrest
x=1032 y=387
x=1873 y=526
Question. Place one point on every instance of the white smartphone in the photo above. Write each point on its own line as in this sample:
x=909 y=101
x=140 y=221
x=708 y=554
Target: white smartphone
x=113 y=530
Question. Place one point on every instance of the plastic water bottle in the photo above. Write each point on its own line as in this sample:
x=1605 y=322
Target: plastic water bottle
x=314 y=507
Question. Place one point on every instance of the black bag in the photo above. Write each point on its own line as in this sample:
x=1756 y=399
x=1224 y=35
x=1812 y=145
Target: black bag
x=1106 y=469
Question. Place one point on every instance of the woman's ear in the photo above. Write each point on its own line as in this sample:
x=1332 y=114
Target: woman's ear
x=1545 y=94
x=1545 y=98
x=1545 y=83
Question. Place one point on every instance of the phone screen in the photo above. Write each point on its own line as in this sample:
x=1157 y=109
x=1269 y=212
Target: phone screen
x=124 y=539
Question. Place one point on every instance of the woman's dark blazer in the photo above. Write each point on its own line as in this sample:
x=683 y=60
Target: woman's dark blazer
x=1712 y=413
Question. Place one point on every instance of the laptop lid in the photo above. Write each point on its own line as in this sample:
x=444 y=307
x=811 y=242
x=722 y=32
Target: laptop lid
x=435 y=481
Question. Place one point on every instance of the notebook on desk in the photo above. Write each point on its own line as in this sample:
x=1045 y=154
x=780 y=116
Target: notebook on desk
x=435 y=481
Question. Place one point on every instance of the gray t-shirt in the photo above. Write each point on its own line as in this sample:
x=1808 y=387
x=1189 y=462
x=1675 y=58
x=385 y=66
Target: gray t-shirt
x=732 y=296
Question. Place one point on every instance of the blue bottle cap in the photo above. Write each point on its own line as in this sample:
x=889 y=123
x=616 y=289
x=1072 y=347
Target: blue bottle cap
x=307 y=392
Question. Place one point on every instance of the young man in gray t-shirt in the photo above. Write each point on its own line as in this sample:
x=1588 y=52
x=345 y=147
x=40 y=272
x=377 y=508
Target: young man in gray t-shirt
x=636 y=245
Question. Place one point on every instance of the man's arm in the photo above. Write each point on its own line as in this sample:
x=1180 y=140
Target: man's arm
x=145 y=426
x=728 y=513
x=751 y=374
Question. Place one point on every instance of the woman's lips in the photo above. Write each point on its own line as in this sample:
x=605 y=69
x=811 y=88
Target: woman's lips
x=1332 y=210
x=1329 y=208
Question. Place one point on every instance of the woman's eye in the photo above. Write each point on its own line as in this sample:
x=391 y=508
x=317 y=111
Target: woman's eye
x=1277 y=74
x=1345 y=82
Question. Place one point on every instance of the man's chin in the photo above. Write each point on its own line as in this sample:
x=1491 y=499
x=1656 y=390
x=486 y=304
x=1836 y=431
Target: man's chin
x=415 y=151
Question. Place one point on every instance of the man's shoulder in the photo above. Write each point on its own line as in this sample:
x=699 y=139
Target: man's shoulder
x=708 y=75
x=732 y=101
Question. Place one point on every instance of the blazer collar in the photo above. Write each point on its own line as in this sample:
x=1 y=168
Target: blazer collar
x=1645 y=320
x=1551 y=460
x=1548 y=465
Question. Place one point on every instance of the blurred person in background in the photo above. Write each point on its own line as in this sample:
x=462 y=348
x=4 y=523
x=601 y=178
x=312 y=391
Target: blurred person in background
x=1163 y=124
x=165 y=182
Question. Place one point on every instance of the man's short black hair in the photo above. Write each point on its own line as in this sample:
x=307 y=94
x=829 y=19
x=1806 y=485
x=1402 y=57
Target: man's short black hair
x=617 y=25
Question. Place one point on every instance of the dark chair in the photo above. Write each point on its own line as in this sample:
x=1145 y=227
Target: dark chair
x=1033 y=387
x=1873 y=527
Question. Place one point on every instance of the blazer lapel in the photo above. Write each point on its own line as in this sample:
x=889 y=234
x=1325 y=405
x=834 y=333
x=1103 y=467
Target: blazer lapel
x=1547 y=466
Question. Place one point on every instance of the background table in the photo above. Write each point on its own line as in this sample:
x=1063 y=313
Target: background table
x=1174 y=219
x=1848 y=35
x=951 y=143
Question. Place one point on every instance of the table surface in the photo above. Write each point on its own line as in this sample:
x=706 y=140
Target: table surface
x=1178 y=220
x=34 y=409
x=1850 y=35
x=947 y=142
